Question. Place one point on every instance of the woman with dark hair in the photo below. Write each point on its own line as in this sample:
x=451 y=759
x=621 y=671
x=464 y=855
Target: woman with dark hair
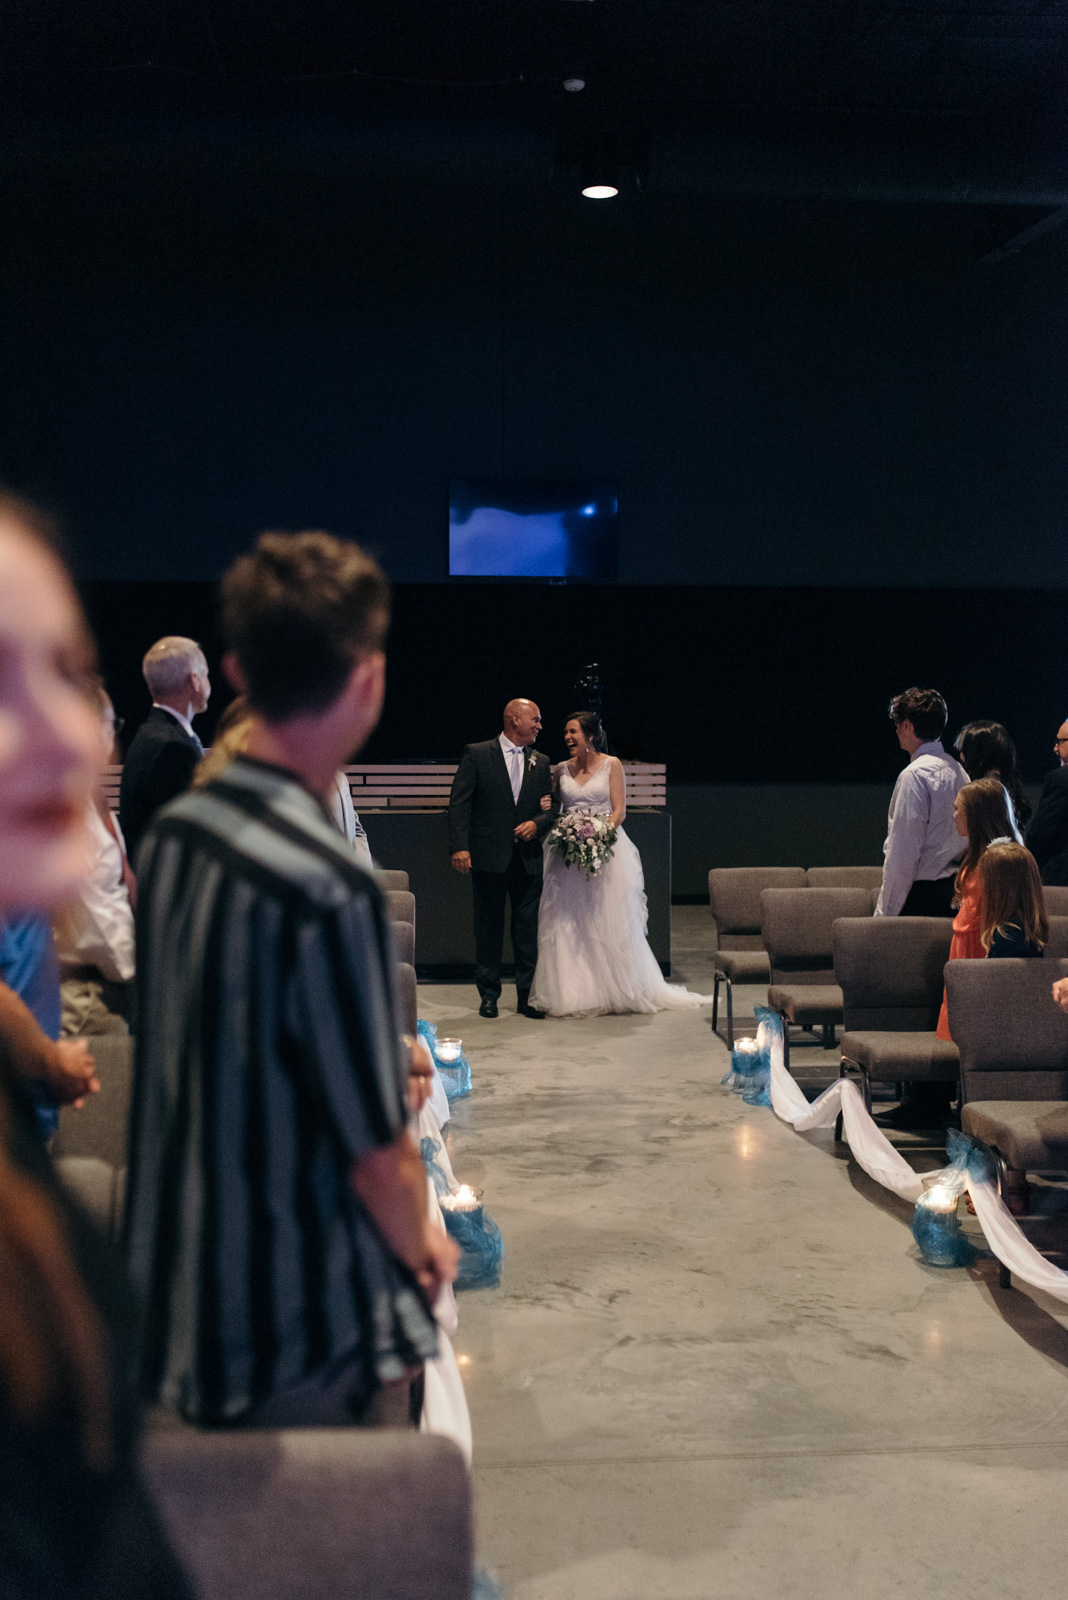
x=75 y=1523
x=985 y=750
x=593 y=956
x=981 y=812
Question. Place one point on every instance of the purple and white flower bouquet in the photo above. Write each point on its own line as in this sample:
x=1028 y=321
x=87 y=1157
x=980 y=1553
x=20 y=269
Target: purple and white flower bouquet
x=584 y=839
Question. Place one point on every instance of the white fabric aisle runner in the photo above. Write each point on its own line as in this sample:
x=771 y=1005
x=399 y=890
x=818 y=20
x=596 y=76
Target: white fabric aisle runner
x=444 y=1401
x=888 y=1167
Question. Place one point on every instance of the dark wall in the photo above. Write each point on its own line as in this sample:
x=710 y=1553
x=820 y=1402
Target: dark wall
x=788 y=391
x=727 y=685
x=838 y=435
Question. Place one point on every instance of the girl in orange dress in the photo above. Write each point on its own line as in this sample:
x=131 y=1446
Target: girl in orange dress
x=981 y=812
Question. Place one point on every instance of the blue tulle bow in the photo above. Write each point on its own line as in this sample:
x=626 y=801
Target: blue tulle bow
x=750 y=1071
x=938 y=1233
x=481 y=1248
x=455 y=1075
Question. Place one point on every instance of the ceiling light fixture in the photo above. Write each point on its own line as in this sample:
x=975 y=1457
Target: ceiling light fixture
x=600 y=167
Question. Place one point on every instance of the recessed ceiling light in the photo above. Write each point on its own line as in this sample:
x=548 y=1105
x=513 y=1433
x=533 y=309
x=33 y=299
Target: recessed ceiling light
x=600 y=191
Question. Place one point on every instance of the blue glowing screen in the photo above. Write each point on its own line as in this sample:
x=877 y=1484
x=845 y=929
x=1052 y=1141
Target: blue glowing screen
x=510 y=529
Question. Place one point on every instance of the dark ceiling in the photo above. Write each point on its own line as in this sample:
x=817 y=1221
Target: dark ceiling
x=959 y=101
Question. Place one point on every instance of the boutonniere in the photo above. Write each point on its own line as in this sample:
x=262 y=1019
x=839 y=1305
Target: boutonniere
x=532 y=761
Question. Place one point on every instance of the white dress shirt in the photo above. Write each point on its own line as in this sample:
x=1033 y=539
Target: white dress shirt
x=349 y=823
x=181 y=718
x=513 y=759
x=922 y=843
x=98 y=929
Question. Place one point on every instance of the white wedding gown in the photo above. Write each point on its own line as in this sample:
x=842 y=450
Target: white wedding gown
x=593 y=956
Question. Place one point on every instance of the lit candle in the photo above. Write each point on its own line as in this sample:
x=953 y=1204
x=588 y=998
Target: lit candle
x=449 y=1049
x=940 y=1197
x=748 y=1047
x=465 y=1199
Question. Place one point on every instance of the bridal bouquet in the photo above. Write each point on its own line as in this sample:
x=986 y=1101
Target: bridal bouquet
x=584 y=840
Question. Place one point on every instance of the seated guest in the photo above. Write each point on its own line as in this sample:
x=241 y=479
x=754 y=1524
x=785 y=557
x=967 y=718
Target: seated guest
x=985 y=750
x=164 y=753
x=922 y=844
x=269 y=1142
x=980 y=815
x=74 y=1519
x=95 y=935
x=1047 y=836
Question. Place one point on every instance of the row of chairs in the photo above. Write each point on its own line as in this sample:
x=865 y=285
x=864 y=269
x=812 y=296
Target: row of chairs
x=1009 y=1051
x=734 y=897
x=781 y=933
x=829 y=960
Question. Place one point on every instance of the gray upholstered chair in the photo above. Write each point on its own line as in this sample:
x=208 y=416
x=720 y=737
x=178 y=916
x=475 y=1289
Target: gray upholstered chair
x=99 y=1188
x=734 y=900
x=797 y=925
x=844 y=878
x=1013 y=1044
x=390 y=878
x=400 y=905
x=890 y=972
x=338 y=1513
x=407 y=996
x=1057 y=944
x=403 y=934
x=1056 y=898
x=99 y=1129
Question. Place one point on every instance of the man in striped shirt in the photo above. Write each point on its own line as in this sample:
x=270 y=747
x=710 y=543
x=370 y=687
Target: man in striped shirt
x=276 y=1221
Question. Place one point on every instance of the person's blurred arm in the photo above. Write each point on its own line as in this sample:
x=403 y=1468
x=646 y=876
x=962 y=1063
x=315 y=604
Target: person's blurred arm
x=63 y=1068
x=391 y=1182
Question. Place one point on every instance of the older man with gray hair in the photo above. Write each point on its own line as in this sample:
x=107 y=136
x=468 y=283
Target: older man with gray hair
x=163 y=756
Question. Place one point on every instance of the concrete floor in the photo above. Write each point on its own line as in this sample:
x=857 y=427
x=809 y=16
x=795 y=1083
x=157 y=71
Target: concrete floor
x=716 y=1366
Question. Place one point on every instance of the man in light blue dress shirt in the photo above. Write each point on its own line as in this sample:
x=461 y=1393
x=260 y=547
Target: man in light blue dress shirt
x=923 y=848
x=920 y=857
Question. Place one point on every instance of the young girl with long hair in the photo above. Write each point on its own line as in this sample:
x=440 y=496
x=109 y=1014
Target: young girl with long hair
x=1014 y=923
x=981 y=813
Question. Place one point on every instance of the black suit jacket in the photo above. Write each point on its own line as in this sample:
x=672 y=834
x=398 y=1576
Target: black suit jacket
x=1047 y=836
x=483 y=816
x=159 y=766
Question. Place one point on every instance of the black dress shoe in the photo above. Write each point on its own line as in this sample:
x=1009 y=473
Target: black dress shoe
x=488 y=1008
x=912 y=1114
x=535 y=1016
x=525 y=1009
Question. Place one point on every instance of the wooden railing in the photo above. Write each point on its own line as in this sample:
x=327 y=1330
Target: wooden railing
x=425 y=785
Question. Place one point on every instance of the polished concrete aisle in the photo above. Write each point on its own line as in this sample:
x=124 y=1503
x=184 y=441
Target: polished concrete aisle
x=715 y=1366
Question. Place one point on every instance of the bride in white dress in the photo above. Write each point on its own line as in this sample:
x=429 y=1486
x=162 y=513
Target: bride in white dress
x=593 y=956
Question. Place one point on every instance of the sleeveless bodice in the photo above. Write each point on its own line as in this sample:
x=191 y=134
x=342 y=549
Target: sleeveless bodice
x=593 y=795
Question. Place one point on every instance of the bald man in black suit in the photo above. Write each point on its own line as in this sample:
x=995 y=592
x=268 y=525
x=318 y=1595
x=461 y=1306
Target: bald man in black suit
x=496 y=828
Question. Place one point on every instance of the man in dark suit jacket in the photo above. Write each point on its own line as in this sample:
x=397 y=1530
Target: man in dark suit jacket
x=496 y=827
x=165 y=751
x=1047 y=836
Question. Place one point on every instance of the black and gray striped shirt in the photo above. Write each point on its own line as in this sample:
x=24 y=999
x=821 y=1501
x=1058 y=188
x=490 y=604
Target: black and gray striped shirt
x=268 y=1062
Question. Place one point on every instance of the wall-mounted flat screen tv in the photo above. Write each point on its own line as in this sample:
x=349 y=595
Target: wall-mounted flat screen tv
x=512 y=528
